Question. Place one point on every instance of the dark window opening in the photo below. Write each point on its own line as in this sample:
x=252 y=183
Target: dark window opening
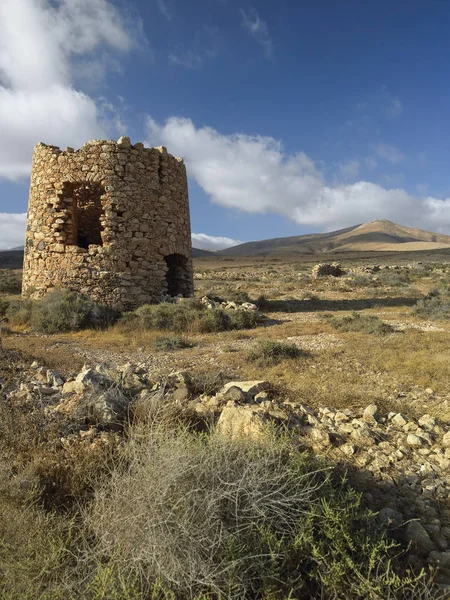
x=85 y=211
x=177 y=275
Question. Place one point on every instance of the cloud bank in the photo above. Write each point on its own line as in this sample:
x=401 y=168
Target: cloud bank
x=211 y=242
x=12 y=230
x=254 y=174
x=43 y=46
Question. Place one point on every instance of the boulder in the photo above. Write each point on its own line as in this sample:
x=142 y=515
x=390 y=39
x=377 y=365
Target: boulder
x=250 y=387
x=241 y=421
x=418 y=537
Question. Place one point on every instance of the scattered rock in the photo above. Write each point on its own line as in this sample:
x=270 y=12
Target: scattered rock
x=370 y=414
x=418 y=537
x=240 y=421
x=251 y=387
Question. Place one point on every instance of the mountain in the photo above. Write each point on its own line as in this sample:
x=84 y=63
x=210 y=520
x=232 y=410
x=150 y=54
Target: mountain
x=379 y=236
x=11 y=259
x=198 y=253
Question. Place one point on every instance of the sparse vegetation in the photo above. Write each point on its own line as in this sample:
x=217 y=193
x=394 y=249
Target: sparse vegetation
x=60 y=311
x=200 y=530
x=271 y=353
x=435 y=306
x=188 y=317
x=10 y=281
x=172 y=342
x=360 y=323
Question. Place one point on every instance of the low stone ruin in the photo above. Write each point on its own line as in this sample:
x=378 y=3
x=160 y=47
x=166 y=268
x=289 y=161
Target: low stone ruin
x=327 y=270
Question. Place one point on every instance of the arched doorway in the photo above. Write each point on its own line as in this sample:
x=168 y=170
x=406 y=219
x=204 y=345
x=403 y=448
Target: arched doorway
x=177 y=275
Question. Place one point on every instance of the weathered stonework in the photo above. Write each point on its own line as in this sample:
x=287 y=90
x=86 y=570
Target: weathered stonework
x=110 y=220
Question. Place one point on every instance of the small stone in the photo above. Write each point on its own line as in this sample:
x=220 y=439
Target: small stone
x=370 y=414
x=427 y=422
x=251 y=387
x=440 y=559
x=414 y=440
x=417 y=535
x=181 y=394
x=236 y=394
x=446 y=440
x=399 y=420
x=321 y=437
x=348 y=449
x=124 y=141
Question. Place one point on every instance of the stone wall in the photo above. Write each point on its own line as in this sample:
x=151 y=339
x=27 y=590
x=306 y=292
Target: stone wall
x=110 y=220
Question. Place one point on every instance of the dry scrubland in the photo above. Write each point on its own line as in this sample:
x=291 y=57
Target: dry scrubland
x=328 y=480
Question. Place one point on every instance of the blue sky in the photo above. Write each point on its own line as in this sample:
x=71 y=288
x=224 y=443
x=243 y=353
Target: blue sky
x=292 y=116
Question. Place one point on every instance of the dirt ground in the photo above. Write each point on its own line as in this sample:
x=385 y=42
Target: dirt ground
x=407 y=370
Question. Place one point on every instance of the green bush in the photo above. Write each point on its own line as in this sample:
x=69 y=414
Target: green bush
x=10 y=281
x=434 y=306
x=238 y=296
x=268 y=352
x=202 y=516
x=4 y=304
x=360 y=323
x=62 y=310
x=393 y=278
x=364 y=281
x=19 y=311
x=172 y=342
x=189 y=316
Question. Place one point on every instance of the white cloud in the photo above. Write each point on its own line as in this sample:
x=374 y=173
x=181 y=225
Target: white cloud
x=42 y=44
x=212 y=242
x=164 y=8
x=258 y=29
x=254 y=174
x=389 y=153
x=12 y=230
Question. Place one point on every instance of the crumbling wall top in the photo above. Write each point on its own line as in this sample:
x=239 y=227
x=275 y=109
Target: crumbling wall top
x=122 y=142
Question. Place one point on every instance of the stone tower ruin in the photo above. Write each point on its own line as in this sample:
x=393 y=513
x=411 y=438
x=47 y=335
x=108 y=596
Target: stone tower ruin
x=110 y=220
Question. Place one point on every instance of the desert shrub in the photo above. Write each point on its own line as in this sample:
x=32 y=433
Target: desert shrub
x=364 y=281
x=62 y=310
x=19 y=311
x=191 y=316
x=238 y=296
x=4 y=304
x=262 y=302
x=10 y=281
x=360 y=323
x=208 y=382
x=172 y=342
x=208 y=517
x=393 y=278
x=434 y=306
x=268 y=352
x=35 y=549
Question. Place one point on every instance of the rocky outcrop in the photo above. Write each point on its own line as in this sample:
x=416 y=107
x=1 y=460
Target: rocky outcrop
x=399 y=463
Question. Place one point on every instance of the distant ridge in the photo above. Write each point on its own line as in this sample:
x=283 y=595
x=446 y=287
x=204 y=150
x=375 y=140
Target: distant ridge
x=198 y=252
x=377 y=236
